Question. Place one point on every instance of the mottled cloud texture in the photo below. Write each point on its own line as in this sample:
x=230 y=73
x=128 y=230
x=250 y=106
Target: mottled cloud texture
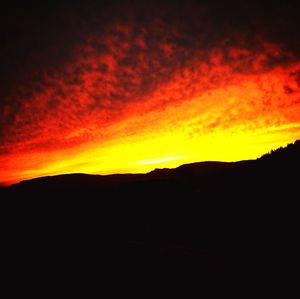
x=89 y=72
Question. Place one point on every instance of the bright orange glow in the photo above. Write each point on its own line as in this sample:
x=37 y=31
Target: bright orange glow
x=205 y=111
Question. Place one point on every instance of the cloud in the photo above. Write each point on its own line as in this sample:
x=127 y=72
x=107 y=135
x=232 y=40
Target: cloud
x=99 y=66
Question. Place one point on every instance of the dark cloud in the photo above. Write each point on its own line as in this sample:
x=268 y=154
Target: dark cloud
x=66 y=59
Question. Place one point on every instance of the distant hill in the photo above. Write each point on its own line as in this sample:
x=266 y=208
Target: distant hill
x=287 y=156
x=290 y=152
x=215 y=223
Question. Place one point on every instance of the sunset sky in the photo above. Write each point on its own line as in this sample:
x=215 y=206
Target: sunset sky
x=129 y=86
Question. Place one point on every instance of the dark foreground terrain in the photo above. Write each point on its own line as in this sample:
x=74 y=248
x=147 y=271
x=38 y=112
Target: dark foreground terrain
x=214 y=224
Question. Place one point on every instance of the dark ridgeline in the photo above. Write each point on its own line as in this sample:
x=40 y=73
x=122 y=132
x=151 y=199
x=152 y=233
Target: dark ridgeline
x=213 y=223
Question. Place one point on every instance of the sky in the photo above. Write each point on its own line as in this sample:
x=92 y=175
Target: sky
x=106 y=87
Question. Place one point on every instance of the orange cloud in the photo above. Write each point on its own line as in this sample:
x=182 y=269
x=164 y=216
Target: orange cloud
x=139 y=97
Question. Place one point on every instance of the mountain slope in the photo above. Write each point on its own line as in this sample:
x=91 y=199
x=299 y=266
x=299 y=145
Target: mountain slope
x=283 y=158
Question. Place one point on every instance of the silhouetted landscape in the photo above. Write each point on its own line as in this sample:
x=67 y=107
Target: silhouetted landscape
x=213 y=223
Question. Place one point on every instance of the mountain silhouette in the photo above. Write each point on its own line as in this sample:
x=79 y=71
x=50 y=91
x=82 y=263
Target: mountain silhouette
x=213 y=223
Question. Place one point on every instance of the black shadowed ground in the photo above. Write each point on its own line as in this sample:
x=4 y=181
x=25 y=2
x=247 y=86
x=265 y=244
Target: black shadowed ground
x=213 y=223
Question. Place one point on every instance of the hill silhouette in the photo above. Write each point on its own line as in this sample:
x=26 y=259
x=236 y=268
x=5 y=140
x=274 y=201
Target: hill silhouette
x=213 y=223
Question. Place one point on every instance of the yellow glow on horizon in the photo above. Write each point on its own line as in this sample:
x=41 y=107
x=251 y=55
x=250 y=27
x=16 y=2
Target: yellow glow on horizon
x=138 y=156
x=159 y=160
